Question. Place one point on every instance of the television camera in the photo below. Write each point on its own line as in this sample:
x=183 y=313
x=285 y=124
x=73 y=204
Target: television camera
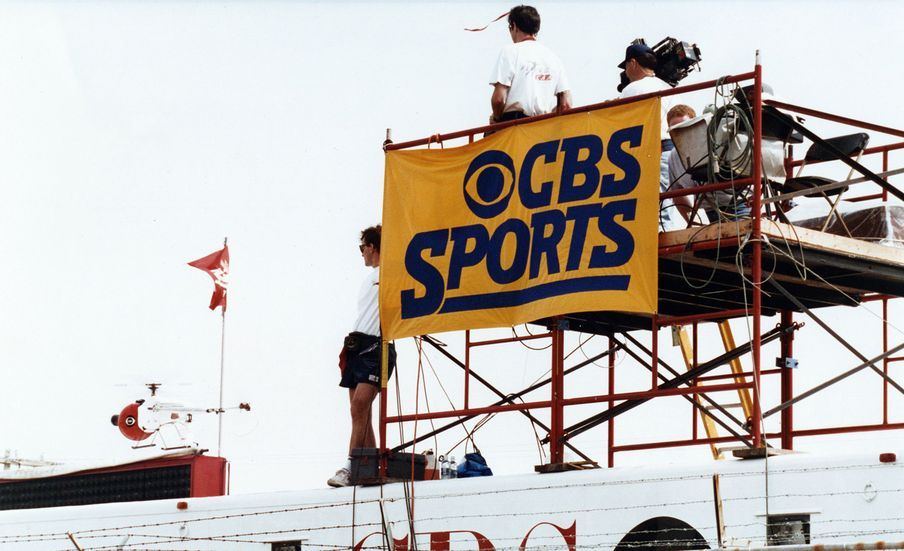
x=674 y=60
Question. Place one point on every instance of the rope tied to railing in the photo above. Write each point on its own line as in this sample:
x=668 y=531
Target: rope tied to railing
x=438 y=138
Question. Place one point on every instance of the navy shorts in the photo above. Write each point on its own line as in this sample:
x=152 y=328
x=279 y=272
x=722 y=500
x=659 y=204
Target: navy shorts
x=362 y=365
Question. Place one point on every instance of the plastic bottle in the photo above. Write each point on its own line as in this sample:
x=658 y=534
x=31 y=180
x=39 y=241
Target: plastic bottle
x=443 y=467
x=453 y=467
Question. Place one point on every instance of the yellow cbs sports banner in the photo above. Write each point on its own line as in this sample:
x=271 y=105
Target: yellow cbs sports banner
x=538 y=220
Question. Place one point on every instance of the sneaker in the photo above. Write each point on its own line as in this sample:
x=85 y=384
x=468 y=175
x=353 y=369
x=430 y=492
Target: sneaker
x=340 y=479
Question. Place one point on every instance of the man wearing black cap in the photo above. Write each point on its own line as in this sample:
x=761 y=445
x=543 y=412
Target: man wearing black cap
x=640 y=70
x=528 y=78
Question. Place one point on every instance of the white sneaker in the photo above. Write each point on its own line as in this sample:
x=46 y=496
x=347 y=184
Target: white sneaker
x=340 y=479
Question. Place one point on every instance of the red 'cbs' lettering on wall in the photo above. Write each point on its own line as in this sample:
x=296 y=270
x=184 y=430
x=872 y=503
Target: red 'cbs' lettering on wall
x=440 y=541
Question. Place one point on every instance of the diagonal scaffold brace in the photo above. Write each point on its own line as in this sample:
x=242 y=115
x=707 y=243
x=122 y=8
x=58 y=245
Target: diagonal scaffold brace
x=867 y=363
x=503 y=398
x=684 y=378
x=871 y=363
x=703 y=410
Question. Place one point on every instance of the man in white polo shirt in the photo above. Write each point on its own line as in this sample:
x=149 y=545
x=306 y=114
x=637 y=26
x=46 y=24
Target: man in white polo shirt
x=528 y=78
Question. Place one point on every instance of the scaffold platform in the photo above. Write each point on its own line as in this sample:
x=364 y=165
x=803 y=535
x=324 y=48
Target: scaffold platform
x=702 y=274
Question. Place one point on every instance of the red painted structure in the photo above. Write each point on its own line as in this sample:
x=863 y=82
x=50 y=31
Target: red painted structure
x=558 y=434
x=167 y=477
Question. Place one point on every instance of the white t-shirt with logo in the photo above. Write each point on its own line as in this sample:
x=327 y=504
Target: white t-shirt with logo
x=534 y=76
x=368 y=321
x=649 y=85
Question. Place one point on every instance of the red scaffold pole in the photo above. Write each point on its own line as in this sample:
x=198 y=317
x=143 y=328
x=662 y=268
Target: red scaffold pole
x=787 y=383
x=755 y=238
x=654 y=357
x=384 y=379
x=557 y=419
x=467 y=368
x=610 y=455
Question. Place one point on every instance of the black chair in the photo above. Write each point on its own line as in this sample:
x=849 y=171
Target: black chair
x=850 y=145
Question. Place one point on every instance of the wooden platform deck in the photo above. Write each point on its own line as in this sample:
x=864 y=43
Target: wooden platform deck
x=706 y=269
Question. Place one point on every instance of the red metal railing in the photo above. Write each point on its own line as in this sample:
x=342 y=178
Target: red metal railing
x=473 y=132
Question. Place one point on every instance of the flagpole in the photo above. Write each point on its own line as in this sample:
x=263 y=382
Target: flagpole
x=222 y=370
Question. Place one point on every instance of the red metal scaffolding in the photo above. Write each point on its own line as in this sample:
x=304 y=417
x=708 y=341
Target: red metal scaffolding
x=699 y=383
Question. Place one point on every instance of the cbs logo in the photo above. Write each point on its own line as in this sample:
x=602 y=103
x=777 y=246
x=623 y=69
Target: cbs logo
x=489 y=183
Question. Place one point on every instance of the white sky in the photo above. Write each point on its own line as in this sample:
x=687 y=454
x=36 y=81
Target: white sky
x=134 y=136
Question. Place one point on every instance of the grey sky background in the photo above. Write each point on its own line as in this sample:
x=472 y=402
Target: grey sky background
x=134 y=136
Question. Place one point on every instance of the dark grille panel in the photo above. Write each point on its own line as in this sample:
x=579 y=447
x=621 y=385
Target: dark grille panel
x=136 y=485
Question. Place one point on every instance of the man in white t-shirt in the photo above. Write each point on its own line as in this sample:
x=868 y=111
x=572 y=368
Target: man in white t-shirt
x=528 y=78
x=640 y=70
x=361 y=356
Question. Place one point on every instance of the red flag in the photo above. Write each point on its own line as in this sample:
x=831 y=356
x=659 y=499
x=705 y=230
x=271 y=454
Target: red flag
x=217 y=266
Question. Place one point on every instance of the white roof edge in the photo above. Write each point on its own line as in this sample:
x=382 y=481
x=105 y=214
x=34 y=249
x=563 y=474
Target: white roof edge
x=72 y=468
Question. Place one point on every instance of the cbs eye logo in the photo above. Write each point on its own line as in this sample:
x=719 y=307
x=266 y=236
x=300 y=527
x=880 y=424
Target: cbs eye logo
x=489 y=183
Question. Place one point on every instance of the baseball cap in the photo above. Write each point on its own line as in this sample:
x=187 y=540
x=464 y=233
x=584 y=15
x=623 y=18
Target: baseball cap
x=634 y=51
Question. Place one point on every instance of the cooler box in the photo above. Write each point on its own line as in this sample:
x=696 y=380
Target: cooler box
x=366 y=466
x=399 y=466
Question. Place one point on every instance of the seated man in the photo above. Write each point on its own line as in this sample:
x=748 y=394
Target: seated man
x=528 y=78
x=714 y=203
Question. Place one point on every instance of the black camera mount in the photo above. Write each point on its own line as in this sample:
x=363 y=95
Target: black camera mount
x=674 y=60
